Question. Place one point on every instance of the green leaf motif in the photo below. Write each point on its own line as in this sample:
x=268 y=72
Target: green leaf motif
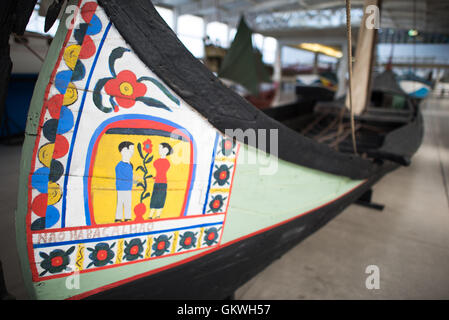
x=141 y=168
x=97 y=97
x=161 y=87
x=139 y=148
x=149 y=159
x=117 y=53
x=151 y=102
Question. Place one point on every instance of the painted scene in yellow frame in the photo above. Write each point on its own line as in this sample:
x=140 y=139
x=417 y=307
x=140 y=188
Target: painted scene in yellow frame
x=139 y=174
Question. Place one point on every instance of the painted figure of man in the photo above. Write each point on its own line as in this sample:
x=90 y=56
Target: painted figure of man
x=160 y=181
x=124 y=182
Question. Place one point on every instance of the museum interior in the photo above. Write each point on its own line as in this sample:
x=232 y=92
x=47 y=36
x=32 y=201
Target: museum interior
x=224 y=149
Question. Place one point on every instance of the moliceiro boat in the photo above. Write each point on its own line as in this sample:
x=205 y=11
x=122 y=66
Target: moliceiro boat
x=129 y=187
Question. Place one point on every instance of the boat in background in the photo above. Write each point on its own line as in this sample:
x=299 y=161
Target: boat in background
x=140 y=175
x=317 y=87
x=415 y=86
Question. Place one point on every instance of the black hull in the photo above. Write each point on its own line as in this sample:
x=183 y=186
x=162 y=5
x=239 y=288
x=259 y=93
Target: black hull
x=314 y=93
x=218 y=274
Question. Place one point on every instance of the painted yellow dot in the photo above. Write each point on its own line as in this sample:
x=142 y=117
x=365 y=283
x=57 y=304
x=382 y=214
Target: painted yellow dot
x=54 y=193
x=71 y=95
x=71 y=54
x=126 y=88
x=46 y=154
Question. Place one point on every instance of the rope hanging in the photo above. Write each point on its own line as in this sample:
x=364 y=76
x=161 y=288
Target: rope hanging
x=349 y=35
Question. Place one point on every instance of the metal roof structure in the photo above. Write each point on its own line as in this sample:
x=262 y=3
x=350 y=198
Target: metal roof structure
x=283 y=18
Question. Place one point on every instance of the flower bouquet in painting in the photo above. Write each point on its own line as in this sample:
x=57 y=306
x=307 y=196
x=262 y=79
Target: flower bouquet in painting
x=145 y=154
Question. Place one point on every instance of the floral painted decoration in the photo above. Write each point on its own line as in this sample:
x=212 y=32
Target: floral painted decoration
x=161 y=245
x=216 y=203
x=134 y=249
x=227 y=147
x=146 y=157
x=211 y=236
x=222 y=175
x=101 y=255
x=187 y=240
x=56 y=261
x=124 y=89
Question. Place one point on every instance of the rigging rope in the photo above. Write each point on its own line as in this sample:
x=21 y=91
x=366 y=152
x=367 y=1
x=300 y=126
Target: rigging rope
x=349 y=35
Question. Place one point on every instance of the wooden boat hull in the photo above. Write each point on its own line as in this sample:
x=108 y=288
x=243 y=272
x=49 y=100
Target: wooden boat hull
x=216 y=275
x=85 y=198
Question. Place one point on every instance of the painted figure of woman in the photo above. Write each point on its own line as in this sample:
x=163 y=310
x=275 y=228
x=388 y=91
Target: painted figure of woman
x=160 y=181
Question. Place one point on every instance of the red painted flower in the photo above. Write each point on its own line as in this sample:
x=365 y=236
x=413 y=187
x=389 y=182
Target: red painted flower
x=187 y=240
x=102 y=255
x=211 y=236
x=133 y=249
x=222 y=174
x=216 y=204
x=56 y=261
x=125 y=88
x=227 y=147
x=147 y=146
x=161 y=245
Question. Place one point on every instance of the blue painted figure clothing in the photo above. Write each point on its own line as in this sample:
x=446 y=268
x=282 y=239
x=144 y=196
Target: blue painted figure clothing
x=123 y=176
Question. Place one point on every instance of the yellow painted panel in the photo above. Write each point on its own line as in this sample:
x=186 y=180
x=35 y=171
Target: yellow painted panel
x=103 y=187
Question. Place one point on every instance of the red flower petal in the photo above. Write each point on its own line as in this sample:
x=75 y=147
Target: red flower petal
x=127 y=76
x=147 y=146
x=161 y=245
x=112 y=87
x=139 y=90
x=56 y=261
x=102 y=255
x=211 y=236
x=125 y=102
